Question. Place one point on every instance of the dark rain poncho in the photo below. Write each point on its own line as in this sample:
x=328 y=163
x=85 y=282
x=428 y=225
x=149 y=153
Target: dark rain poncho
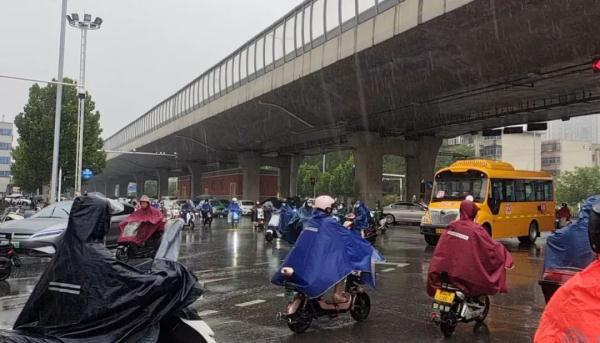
x=85 y=295
x=293 y=229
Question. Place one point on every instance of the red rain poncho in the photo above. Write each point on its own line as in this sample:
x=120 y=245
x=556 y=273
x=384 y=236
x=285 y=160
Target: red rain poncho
x=150 y=219
x=474 y=262
x=573 y=313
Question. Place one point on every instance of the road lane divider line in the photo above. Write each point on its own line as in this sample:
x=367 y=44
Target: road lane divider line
x=281 y=295
x=388 y=270
x=207 y=313
x=401 y=265
x=204 y=282
x=250 y=303
x=261 y=263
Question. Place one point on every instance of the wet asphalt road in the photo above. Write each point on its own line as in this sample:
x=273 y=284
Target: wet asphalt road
x=240 y=304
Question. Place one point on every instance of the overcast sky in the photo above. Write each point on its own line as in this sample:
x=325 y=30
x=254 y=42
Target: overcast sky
x=145 y=51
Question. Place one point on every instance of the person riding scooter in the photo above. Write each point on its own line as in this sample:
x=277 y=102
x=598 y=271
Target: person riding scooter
x=140 y=232
x=84 y=295
x=326 y=253
x=187 y=213
x=572 y=313
x=563 y=215
x=206 y=210
x=472 y=261
x=363 y=219
x=235 y=212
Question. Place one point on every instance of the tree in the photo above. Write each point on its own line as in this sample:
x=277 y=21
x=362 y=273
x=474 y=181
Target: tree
x=576 y=186
x=449 y=154
x=32 y=156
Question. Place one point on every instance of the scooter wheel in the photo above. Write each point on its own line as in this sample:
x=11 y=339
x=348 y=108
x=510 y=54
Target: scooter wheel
x=483 y=315
x=268 y=237
x=300 y=322
x=447 y=325
x=121 y=254
x=361 y=308
x=5 y=271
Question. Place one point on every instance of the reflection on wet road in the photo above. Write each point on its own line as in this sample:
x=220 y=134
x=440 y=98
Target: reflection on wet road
x=240 y=304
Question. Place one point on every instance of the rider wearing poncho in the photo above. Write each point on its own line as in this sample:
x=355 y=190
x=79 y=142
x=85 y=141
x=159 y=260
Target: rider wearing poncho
x=149 y=220
x=325 y=253
x=473 y=261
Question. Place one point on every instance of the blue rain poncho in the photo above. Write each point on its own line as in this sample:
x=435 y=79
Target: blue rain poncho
x=570 y=246
x=326 y=253
x=296 y=224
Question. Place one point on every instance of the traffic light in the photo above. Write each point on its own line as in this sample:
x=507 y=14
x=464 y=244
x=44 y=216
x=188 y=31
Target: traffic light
x=596 y=65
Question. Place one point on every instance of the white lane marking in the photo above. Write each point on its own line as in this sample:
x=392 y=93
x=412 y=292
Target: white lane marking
x=388 y=270
x=250 y=303
x=281 y=295
x=207 y=313
x=204 y=282
x=261 y=263
x=396 y=264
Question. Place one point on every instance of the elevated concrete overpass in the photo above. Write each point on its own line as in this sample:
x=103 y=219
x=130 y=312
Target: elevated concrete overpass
x=379 y=77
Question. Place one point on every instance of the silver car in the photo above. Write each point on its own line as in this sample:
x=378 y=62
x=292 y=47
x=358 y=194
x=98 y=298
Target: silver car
x=38 y=233
x=404 y=212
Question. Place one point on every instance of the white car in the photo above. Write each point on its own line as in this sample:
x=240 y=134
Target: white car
x=246 y=206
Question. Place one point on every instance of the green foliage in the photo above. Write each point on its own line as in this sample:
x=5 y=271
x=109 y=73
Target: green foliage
x=393 y=164
x=337 y=180
x=576 y=186
x=35 y=125
x=449 y=154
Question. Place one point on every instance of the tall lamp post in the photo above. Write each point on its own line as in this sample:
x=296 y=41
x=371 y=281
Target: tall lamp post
x=84 y=26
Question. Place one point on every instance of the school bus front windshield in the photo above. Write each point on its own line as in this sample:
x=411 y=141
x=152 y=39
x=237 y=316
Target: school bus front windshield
x=451 y=186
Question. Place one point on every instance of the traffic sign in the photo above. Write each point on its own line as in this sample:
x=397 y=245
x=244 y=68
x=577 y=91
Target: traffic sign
x=87 y=174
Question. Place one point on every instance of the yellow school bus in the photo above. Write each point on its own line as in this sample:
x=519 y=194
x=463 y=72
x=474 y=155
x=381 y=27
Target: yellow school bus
x=512 y=203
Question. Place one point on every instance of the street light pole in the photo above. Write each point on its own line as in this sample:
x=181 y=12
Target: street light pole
x=84 y=26
x=58 y=110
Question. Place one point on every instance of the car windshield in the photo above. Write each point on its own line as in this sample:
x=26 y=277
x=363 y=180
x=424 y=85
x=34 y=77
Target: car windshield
x=58 y=210
x=457 y=186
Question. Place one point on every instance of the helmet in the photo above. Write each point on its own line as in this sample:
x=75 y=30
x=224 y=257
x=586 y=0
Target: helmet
x=564 y=204
x=469 y=198
x=144 y=198
x=234 y=199
x=594 y=228
x=324 y=202
x=357 y=204
x=310 y=202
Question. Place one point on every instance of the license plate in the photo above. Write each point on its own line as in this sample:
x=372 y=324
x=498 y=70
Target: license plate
x=440 y=231
x=444 y=296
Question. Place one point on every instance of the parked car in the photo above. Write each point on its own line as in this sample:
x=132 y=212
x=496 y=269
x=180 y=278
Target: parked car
x=219 y=208
x=404 y=212
x=246 y=206
x=38 y=234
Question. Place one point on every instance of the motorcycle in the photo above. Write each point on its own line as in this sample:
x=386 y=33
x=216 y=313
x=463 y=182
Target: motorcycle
x=189 y=218
x=235 y=219
x=207 y=219
x=147 y=249
x=301 y=310
x=8 y=257
x=451 y=306
x=371 y=233
x=271 y=231
x=552 y=279
x=259 y=224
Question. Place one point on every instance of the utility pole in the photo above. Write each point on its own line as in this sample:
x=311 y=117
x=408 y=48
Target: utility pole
x=84 y=26
x=58 y=110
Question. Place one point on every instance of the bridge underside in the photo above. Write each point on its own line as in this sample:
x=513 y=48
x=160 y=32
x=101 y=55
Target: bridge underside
x=487 y=64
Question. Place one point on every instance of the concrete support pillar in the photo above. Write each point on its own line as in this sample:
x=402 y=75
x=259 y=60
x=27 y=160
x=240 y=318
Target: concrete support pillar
x=163 y=183
x=140 y=179
x=250 y=163
x=421 y=166
x=123 y=183
x=110 y=188
x=284 y=177
x=368 y=158
x=295 y=162
x=195 y=170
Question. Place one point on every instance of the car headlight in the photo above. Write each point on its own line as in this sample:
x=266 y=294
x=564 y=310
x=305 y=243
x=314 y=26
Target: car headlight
x=426 y=220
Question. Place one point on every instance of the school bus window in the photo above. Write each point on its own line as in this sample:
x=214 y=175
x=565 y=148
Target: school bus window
x=529 y=193
x=509 y=190
x=548 y=191
x=520 y=190
x=539 y=191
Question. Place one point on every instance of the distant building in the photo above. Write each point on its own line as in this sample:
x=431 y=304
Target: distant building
x=564 y=155
x=585 y=128
x=6 y=139
x=522 y=150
